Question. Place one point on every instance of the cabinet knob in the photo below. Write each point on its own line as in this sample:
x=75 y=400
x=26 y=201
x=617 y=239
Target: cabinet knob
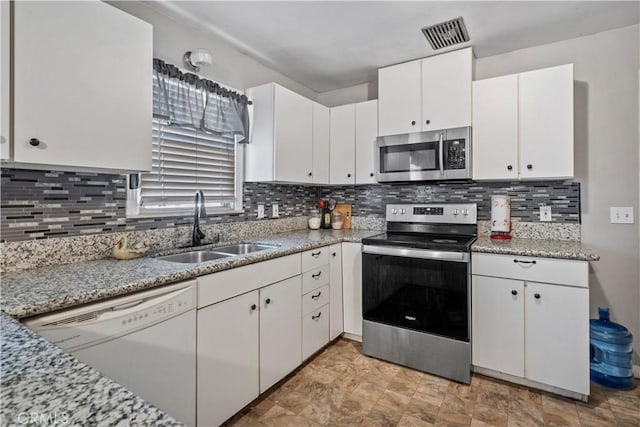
x=536 y=296
x=34 y=142
x=310 y=174
x=267 y=301
x=509 y=167
x=427 y=122
x=529 y=166
x=333 y=254
x=253 y=307
x=348 y=175
x=413 y=122
x=514 y=292
x=371 y=174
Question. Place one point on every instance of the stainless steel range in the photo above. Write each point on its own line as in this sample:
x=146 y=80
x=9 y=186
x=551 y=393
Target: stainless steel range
x=416 y=289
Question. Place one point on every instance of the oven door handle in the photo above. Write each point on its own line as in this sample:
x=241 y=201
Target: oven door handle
x=441 y=154
x=416 y=253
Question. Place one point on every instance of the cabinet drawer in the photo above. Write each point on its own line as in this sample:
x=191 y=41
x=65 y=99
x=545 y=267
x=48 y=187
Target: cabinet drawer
x=229 y=283
x=545 y=270
x=315 y=278
x=315 y=258
x=315 y=299
x=315 y=331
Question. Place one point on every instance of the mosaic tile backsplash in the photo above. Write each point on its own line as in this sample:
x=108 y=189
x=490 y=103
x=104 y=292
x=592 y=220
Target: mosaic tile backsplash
x=47 y=204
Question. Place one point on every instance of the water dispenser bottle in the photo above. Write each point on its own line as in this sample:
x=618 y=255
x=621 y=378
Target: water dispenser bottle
x=610 y=352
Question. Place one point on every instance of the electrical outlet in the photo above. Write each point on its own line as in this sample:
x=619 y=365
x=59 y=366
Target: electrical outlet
x=545 y=213
x=621 y=215
x=274 y=211
x=260 y=211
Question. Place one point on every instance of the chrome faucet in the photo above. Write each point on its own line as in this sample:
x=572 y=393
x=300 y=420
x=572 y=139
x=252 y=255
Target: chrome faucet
x=197 y=235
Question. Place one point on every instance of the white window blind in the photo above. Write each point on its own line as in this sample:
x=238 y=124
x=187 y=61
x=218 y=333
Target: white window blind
x=186 y=160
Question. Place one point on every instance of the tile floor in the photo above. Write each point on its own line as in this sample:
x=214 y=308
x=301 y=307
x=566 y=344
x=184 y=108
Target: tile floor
x=341 y=387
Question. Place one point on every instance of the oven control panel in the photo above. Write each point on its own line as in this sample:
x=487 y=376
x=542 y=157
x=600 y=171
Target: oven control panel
x=458 y=213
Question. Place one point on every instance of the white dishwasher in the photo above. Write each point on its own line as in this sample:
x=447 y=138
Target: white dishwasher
x=145 y=341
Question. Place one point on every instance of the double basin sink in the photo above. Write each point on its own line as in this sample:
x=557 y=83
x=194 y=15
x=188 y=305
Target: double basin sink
x=195 y=257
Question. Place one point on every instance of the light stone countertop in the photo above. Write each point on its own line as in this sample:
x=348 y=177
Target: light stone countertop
x=43 y=290
x=39 y=380
x=563 y=249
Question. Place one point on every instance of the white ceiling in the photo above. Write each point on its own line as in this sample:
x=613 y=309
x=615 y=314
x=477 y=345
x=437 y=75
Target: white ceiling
x=331 y=45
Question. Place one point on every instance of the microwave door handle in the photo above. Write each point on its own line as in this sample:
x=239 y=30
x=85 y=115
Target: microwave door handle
x=441 y=155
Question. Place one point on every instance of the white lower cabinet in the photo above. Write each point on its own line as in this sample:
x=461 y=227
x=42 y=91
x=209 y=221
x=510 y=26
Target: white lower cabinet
x=335 y=279
x=280 y=330
x=352 y=287
x=535 y=331
x=228 y=358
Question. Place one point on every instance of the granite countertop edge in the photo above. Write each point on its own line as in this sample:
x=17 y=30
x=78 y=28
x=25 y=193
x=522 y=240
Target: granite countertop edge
x=544 y=248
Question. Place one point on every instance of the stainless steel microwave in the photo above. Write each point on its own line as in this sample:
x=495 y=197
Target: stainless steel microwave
x=424 y=156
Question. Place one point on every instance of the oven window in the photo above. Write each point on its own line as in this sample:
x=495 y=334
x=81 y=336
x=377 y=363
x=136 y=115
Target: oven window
x=423 y=295
x=409 y=157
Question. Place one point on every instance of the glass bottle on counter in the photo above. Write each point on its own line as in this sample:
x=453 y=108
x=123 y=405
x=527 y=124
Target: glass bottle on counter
x=326 y=216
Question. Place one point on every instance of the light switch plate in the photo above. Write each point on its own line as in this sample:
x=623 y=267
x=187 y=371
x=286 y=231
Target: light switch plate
x=621 y=215
x=274 y=211
x=545 y=213
x=260 y=211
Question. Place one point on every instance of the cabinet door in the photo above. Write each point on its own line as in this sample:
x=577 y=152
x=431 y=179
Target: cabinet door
x=315 y=331
x=293 y=136
x=335 y=281
x=280 y=330
x=5 y=82
x=399 y=98
x=82 y=88
x=497 y=313
x=557 y=336
x=495 y=128
x=546 y=123
x=227 y=358
x=352 y=287
x=342 y=141
x=446 y=90
x=366 y=133
x=320 y=144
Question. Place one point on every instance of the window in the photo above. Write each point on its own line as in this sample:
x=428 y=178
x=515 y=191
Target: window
x=186 y=158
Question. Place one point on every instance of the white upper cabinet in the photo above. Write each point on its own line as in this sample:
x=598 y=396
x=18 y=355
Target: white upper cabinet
x=366 y=133
x=281 y=146
x=5 y=81
x=399 y=98
x=546 y=123
x=523 y=125
x=320 y=144
x=82 y=86
x=495 y=128
x=446 y=90
x=429 y=94
x=343 y=151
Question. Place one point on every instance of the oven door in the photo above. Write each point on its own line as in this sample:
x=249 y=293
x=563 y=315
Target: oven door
x=422 y=290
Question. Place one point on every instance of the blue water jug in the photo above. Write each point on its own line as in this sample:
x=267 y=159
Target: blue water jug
x=610 y=352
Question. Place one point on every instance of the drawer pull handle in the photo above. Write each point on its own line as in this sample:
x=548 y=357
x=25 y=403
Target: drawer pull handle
x=536 y=296
x=315 y=276
x=316 y=317
x=317 y=296
x=316 y=254
x=253 y=307
x=517 y=261
x=514 y=292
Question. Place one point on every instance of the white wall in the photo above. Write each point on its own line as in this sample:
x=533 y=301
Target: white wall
x=230 y=67
x=358 y=93
x=606 y=155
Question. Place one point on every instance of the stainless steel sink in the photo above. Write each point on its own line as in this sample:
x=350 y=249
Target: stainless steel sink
x=195 y=257
x=243 y=248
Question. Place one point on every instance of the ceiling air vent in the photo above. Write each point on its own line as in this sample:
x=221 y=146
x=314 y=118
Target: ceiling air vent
x=446 y=34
